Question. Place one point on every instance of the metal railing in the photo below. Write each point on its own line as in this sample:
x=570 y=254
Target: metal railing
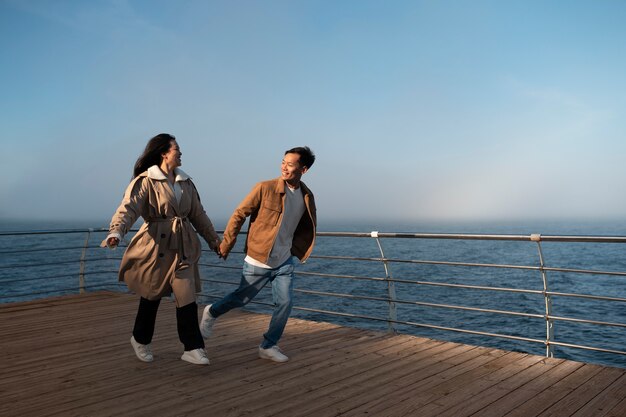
x=55 y=268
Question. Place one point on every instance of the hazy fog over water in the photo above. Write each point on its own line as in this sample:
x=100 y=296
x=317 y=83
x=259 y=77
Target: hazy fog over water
x=417 y=110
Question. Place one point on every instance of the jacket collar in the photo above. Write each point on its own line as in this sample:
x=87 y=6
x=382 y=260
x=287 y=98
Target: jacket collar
x=155 y=173
x=280 y=186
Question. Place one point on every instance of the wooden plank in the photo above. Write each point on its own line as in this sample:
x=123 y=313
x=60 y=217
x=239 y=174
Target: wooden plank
x=345 y=377
x=70 y=356
x=619 y=410
x=611 y=397
x=437 y=368
x=247 y=323
x=184 y=385
x=552 y=396
x=243 y=375
x=349 y=394
x=362 y=358
x=584 y=393
x=416 y=400
x=103 y=369
x=471 y=397
x=500 y=400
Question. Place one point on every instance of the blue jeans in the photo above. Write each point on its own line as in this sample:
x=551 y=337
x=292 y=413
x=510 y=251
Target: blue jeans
x=253 y=279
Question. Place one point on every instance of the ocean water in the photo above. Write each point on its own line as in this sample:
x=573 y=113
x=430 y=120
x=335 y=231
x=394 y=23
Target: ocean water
x=50 y=266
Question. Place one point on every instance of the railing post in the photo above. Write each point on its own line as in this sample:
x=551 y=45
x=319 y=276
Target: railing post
x=391 y=288
x=546 y=297
x=81 y=276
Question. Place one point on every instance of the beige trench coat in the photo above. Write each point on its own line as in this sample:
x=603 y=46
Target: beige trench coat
x=166 y=247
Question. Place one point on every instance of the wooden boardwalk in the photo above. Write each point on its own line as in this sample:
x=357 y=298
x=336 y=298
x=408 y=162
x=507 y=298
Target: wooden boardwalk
x=71 y=356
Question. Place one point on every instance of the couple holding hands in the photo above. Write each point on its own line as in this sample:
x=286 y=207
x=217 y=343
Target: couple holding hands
x=162 y=258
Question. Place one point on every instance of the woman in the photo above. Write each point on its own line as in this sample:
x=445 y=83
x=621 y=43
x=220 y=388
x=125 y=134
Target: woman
x=163 y=256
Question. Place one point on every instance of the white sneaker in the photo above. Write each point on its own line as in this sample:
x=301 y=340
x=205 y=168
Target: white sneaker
x=274 y=354
x=143 y=352
x=196 y=356
x=207 y=322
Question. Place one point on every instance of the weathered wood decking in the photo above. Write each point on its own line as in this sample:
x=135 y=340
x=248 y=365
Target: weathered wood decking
x=70 y=356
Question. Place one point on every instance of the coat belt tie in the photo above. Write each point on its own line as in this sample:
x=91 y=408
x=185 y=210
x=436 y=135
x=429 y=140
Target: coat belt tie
x=176 y=241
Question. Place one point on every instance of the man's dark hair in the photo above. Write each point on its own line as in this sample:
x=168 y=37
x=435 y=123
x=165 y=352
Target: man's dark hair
x=307 y=157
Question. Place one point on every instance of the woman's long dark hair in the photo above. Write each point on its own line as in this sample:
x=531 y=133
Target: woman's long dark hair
x=156 y=147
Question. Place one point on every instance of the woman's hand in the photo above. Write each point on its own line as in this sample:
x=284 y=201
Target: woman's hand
x=112 y=242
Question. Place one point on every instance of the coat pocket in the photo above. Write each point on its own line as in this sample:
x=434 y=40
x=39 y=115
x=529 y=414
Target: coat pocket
x=268 y=215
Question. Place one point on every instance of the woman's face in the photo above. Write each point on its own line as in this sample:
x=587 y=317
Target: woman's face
x=172 y=157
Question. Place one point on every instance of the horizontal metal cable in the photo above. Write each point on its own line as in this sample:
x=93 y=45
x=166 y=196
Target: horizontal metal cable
x=457 y=307
x=29 y=265
x=28 y=294
x=439 y=284
x=52 y=232
x=454 y=236
x=73 y=275
x=596 y=349
x=409 y=302
x=75 y=261
x=505 y=266
x=465 y=236
x=417 y=261
x=256 y=302
x=464 y=286
x=111 y=284
x=111 y=271
x=430 y=326
x=65 y=290
x=220 y=266
x=217 y=281
x=587 y=296
x=5 y=282
x=584 y=271
x=419 y=303
x=11 y=252
x=472 y=264
x=575 y=320
x=325 y=275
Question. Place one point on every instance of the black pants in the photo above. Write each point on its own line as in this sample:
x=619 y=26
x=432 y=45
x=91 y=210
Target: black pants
x=186 y=322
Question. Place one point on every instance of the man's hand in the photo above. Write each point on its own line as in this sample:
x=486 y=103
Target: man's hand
x=222 y=251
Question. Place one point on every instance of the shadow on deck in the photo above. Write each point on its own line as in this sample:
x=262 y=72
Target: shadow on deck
x=71 y=356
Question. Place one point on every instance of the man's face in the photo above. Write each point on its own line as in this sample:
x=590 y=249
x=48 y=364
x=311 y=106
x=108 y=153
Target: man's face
x=291 y=169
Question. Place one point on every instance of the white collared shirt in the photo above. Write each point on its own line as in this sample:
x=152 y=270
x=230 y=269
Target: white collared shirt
x=155 y=173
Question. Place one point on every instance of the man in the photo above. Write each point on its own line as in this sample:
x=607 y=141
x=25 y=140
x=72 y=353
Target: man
x=282 y=225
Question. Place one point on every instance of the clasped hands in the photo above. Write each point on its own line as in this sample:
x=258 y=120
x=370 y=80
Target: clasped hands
x=223 y=254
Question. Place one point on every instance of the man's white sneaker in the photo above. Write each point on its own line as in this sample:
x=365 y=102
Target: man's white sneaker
x=207 y=322
x=143 y=352
x=273 y=354
x=196 y=356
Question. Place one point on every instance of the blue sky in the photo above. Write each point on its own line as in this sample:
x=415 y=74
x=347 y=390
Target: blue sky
x=417 y=110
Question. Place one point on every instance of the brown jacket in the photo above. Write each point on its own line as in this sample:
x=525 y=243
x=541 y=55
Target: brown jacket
x=264 y=204
x=166 y=246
